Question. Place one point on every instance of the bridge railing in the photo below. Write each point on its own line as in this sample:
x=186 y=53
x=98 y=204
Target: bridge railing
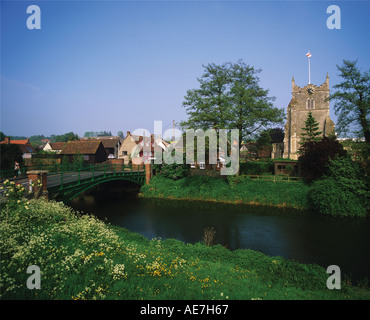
x=68 y=167
x=99 y=170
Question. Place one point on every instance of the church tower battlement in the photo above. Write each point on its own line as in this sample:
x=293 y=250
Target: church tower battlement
x=310 y=98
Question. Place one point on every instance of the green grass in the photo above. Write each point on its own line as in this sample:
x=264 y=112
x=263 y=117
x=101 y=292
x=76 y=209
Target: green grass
x=237 y=190
x=81 y=257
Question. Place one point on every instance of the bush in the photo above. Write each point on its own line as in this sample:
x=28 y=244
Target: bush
x=329 y=197
x=257 y=167
x=172 y=171
x=344 y=191
x=316 y=155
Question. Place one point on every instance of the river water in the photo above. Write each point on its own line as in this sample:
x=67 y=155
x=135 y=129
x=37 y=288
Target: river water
x=303 y=236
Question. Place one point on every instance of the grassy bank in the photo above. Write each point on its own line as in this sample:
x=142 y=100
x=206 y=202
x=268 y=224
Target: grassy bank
x=235 y=190
x=81 y=257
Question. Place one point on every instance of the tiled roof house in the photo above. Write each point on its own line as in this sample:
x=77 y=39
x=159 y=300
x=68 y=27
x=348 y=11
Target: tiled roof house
x=92 y=151
x=24 y=145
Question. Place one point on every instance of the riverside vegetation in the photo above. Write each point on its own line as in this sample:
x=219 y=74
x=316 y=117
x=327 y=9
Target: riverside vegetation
x=341 y=190
x=81 y=257
x=240 y=190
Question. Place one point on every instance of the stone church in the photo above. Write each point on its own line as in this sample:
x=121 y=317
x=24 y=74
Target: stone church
x=309 y=98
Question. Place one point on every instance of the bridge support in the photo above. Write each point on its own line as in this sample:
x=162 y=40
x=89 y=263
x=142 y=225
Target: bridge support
x=148 y=172
x=38 y=175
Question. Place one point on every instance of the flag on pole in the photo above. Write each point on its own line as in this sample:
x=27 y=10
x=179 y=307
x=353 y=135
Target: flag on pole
x=308 y=55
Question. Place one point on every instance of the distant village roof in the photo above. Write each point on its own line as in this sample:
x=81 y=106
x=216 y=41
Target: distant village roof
x=24 y=145
x=10 y=141
x=57 y=145
x=108 y=141
x=81 y=147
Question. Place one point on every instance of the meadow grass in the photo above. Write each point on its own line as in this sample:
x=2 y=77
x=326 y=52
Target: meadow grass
x=81 y=257
x=241 y=190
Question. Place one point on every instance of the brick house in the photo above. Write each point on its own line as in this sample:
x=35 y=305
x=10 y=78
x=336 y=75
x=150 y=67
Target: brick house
x=132 y=148
x=92 y=151
x=24 y=145
x=112 y=144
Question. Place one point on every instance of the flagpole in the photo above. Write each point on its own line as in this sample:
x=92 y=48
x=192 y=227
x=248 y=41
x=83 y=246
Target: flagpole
x=308 y=55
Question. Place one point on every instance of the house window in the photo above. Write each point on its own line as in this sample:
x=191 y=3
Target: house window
x=124 y=153
x=202 y=165
x=310 y=104
x=86 y=157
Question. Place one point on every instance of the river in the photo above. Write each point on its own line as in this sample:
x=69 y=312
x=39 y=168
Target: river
x=300 y=235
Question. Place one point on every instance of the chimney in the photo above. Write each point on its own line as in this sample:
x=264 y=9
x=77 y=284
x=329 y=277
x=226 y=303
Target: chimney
x=128 y=133
x=7 y=140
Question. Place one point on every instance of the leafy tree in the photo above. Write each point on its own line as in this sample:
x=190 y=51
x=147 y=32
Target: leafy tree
x=276 y=134
x=264 y=139
x=344 y=190
x=104 y=133
x=311 y=130
x=70 y=136
x=2 y=136
x=353 y=99
x=315 y=155
x=89 y=134
x=269 y=136
x=251 y=107
x=229 y=97
x=209 y=106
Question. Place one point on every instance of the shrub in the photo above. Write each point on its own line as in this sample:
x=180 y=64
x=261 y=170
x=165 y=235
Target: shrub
x=329 y=197
x=316 y=155
x=172 y=171
x=344 y=191
x=257 y=167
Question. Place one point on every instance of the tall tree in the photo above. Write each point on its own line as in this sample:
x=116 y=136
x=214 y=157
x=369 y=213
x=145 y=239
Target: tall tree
x=311 y=130
x=229 y=97
x=209 y=106
x=252 y=108
x=353 y=99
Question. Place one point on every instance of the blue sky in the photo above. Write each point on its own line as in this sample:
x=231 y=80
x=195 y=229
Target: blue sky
x=121 y=65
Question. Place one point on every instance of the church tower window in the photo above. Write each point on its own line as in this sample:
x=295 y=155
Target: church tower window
x=310 y=104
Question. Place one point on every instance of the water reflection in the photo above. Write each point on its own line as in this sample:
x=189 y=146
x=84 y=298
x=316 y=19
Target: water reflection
x=293 y=234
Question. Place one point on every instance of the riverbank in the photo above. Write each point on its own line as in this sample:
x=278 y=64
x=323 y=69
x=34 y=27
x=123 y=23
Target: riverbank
x=81 y=257
x=242 y=190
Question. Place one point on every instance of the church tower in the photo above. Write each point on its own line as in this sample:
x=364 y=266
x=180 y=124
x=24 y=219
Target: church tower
x=309 y=98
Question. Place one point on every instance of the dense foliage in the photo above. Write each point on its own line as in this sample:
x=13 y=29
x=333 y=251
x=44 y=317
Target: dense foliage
x=171 y=171
x=257 y=167
x=352 y=100
x=343 y=191
x=316 y=155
